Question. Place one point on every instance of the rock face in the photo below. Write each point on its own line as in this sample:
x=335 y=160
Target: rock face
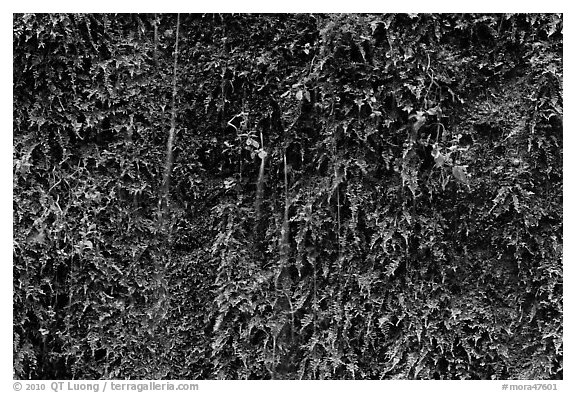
x=348 y=196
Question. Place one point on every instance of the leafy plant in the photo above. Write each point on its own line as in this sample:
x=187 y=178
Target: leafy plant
x=350 y=196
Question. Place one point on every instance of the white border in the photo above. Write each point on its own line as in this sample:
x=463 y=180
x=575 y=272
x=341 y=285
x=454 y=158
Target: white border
x=297 y=6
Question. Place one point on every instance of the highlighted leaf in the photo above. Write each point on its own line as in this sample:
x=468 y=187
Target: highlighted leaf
x=459 y=173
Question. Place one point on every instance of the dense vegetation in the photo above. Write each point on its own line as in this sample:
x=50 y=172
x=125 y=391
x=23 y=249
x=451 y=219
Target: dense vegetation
x=347 y=196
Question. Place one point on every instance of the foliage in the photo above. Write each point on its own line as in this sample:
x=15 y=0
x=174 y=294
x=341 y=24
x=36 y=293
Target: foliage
x=411 y=216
